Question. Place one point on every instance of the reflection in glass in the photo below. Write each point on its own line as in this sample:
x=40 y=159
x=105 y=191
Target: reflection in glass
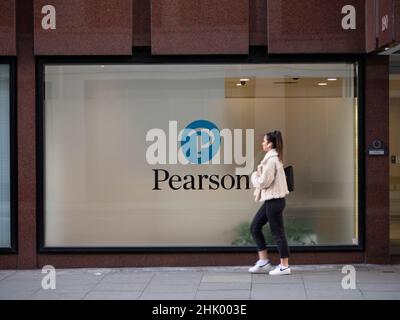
x=4 y=157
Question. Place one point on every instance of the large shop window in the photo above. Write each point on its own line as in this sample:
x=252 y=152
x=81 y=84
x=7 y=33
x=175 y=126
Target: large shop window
x=5 y=181
x=160 y=155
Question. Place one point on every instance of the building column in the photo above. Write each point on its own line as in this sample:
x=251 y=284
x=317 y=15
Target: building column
x=26 y=136
x=376 y=167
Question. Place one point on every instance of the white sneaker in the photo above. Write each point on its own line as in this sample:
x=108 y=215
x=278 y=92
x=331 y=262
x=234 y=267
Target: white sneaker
x=279 y=271
x=260 y=267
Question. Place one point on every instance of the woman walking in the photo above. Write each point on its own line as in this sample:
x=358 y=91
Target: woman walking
x=271 y=189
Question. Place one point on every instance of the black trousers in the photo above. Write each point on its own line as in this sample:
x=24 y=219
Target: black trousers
x=271 y=212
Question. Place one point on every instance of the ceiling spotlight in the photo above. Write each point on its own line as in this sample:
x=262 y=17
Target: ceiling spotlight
x=238 y=84
x=332 y=79
x=243 y=81
x=322 y=84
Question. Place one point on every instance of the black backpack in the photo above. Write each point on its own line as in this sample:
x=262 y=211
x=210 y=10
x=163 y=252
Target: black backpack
x=289 y=178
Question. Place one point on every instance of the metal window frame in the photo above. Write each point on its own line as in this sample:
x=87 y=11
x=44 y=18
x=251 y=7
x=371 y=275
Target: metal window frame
x=142 y=55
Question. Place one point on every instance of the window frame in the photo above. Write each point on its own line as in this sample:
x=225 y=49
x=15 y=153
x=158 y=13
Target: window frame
x=11 y=62
x=142 y=55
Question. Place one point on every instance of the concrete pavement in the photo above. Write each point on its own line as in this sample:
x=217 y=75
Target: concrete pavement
x=204 y=283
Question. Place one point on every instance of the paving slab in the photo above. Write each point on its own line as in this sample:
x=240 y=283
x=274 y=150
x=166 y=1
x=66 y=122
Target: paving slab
x=222 y=286
x=113 y=295
x=119 y=286
x=379 y=286
x=167 y=296
x=226 y=277
x=278 y=292
x=334 y=295
x=223 y=295
x=381 y=295
x=170 y=288
x=57 y=295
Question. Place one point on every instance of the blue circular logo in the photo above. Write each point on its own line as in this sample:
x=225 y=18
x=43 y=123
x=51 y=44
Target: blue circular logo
x=200 y=141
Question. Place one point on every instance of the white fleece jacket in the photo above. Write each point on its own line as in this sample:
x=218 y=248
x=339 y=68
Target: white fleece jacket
x=269 y=179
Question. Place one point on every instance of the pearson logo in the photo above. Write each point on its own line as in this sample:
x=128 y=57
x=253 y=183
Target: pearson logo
x=201 y=142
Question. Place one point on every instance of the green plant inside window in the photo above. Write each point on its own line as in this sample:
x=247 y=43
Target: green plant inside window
x=296 y=235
